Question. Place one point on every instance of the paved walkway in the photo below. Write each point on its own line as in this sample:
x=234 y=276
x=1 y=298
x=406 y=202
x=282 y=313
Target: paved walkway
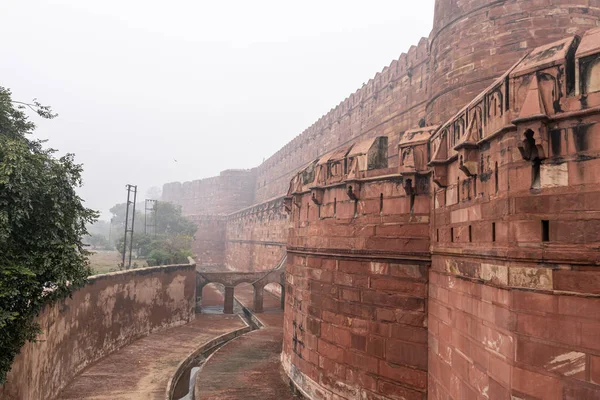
x=248 y=367
x=141 y=370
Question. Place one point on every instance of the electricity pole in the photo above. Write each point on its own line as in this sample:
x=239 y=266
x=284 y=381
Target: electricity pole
x=130 y=189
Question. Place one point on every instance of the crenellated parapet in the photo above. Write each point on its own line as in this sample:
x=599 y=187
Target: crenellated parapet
x=393 y=100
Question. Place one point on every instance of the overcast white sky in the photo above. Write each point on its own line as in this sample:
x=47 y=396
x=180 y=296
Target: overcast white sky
x=212 y=84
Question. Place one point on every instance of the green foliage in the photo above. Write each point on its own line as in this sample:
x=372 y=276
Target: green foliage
x=172 y=243
x=119 y=212
x=170 y=250
x=98 y=241
x=169 y=221
x=42 y=223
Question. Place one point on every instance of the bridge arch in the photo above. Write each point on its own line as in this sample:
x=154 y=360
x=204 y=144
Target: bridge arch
x=231 y=279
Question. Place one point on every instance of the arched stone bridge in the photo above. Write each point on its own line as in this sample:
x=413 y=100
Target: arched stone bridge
x=231 y=279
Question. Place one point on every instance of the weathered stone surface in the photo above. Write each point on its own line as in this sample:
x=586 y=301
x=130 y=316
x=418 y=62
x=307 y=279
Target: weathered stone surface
x=471 y=255
x=109 y=312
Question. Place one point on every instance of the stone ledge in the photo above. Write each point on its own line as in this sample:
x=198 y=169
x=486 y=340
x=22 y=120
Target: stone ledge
x=203 y=349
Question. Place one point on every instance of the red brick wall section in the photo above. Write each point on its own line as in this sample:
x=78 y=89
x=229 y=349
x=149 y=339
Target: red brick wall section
x=232 y=190
x=475 y=41
x=391 y=102
x=209 y=241
x=356 y=296
x=255 y=237
x=106 y=314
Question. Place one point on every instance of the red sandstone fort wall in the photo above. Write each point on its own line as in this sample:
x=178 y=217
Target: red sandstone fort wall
x=506 y=192
x=232 y=190
x=506 y=308
x=475 y=41
x=356 y=298
x=106 y=314
x=514 y=275
x=391 y=102
x=209 y=241
x=255 y=238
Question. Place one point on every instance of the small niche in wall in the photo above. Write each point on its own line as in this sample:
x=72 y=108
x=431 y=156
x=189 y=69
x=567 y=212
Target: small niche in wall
x=437 y=235
x=545 y=231
x=496 y=177
x=470 y=234
x=493 y=231
x=334 y=206
x=452 y=235
x=381 y=203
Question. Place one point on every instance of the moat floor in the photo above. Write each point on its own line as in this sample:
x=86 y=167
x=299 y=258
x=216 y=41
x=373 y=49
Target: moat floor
x=248 y=367
x=142 y=369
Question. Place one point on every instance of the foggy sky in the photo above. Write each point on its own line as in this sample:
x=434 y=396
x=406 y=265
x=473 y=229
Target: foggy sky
x=212 y=84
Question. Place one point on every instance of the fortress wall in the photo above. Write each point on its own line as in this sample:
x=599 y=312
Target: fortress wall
x=255 y=238
x=506 y=212
x=392 y=102
x=355 y=322
x=514 y=280
x=475 y=41
x=209 y=241
x=109 y=312
x=232 y=190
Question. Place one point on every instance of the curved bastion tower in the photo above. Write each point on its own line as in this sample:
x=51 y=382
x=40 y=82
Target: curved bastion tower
x=475 y=41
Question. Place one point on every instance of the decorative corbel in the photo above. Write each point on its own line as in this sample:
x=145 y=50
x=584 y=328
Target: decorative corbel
x=534 y=145
x=468 y=150
x=440 y=173
x=409 y=184
x=352 y=190
x=439 y=161
x=316 y=195
x=287 y=204
x=531 y=125
x=468 y=160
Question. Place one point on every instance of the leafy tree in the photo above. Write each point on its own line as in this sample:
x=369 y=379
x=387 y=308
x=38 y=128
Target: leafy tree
x=169 y=221
x=172 y=243
x=119 y=212
x=97 y=241
x=171 y=250
x=42 y=223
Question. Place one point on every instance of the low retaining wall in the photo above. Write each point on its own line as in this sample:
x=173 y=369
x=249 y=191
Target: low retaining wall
x=109 y=312
x=210 y=346
x=204 y=349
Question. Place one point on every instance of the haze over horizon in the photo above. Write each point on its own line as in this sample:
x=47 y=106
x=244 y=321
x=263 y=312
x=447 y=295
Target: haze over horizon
x=148 y=93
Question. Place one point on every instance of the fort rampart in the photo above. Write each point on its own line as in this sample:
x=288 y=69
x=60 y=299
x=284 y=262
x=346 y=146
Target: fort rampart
x=443 y=233
x=109 y=312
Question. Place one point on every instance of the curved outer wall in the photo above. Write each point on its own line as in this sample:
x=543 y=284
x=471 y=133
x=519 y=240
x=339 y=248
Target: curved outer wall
x=109 y=312
x=356 y=294
x=475 y=41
